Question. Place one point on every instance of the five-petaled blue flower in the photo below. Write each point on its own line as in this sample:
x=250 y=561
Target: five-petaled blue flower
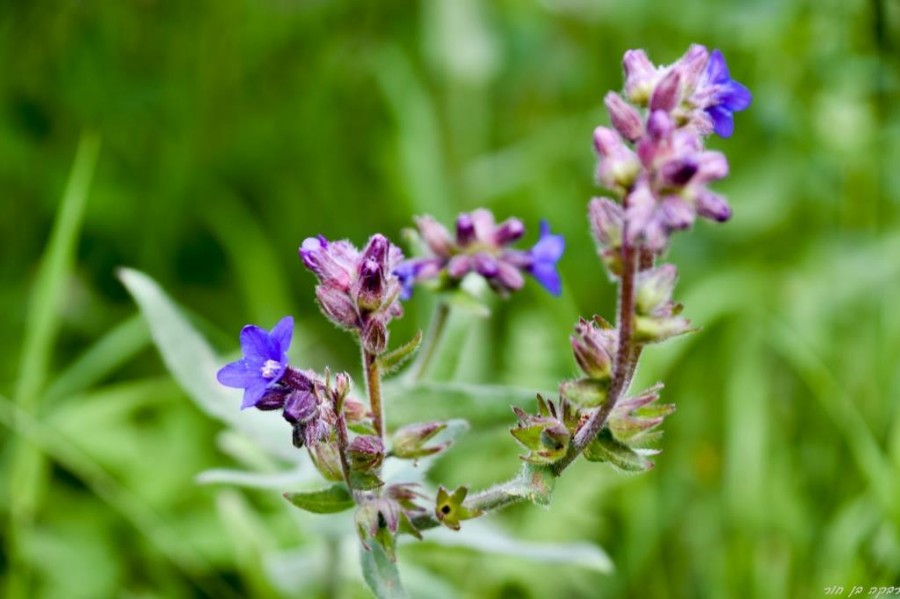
x=544 y=256
x=264 y=363
x=728 y=96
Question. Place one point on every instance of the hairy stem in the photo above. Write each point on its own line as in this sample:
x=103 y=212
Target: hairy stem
x=343 y=443
x=432 y=340
x=373 y=388
x=527 y=486
x=626 y=358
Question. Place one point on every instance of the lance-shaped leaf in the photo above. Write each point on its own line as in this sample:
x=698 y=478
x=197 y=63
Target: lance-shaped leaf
x=395 y=358
x=332 y=500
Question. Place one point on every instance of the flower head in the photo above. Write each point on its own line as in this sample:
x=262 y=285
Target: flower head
x=264 y=363
x=481 y=246
x=357 y=290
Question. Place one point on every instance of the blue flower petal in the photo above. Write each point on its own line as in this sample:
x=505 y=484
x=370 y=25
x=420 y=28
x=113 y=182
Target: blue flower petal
x=548 y=277
x=735 y=96
x=716 y=68
x=723 y=120
x=544 y=256
x=281 y=336
x=238 y=374
x=254 y=393
x=255 y=344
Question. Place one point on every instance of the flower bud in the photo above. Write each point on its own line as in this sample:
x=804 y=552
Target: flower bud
x=605 y=217
x=409 y=441
x=667 y=93
x=618 y=165
x=365 y=453
x=342 y=385
x=691 y=66
x=272 y=400
x=327 y=460
x=676 y=214
x=337 y=306
x=435 y=235
x=465 y=229
x=329 y=261
x=594 y=346
x=676 y=173
x=640 y=74
x=355 y=411
x=508 y=231
x=374 y=337
x=371 y=286
x=713 y=206
x=624 y=117
x=649 y=329
x=654 y=289
x=301 y=406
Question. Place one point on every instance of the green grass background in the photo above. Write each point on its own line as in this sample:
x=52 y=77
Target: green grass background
x=214 y=136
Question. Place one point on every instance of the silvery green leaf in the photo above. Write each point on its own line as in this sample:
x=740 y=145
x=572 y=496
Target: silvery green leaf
x=192 y=362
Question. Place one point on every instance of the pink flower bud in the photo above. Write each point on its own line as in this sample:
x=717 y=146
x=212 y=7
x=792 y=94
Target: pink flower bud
x=605 y=217
x=337 y=306
x=713 y=206
x=667 y=93
x=624 y=117
x=640 y=75
x=435 y=235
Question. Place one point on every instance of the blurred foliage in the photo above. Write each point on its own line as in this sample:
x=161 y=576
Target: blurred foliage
x=230 y=130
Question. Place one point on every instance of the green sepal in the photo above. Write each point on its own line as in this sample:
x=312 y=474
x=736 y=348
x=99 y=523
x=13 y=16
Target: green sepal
x=334 y=499
x=605 y=448
x=449 y=508
x=395 y=358
x=365 y=481
x=585 y=392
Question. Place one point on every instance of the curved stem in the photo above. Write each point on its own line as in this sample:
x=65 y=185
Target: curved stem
x=626 y=357
x=432 y=340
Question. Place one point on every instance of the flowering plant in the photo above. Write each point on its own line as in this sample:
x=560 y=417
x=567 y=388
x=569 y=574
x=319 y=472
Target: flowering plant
x=656 y=171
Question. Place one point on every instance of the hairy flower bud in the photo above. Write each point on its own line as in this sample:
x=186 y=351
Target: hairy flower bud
x=594 y=346
x=410 y=442
x=435 y=235
x=618 y=165
x=605 y=217
x=654 y=289
x=365 y=453
x=374 y=337
x=713 y=206
x=508 y=231
x=337 y=306
x=667 y=92
x=624 y=117
x=640 y=76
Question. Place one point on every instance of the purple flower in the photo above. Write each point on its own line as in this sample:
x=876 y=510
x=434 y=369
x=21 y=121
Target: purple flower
x=264 y=363
x=544 y=256
x=726 y=96
x=480 y=246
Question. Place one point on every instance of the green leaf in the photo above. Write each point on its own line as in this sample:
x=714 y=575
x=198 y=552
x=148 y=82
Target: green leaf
x=605 y=448
x=332 y=500
x=380 y=573
x=394 y=359
x=486 y=537
x=192 y=362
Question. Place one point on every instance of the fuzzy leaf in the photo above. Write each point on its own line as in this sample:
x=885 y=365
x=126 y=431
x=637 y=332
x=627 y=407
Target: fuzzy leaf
x=332 y=500
x=380 y=573
x=395 y=358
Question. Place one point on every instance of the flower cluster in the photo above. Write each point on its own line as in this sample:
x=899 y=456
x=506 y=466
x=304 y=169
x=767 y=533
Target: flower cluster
x=481 y=246
x=357 y=290
x=655 y=161
x=270 y=383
